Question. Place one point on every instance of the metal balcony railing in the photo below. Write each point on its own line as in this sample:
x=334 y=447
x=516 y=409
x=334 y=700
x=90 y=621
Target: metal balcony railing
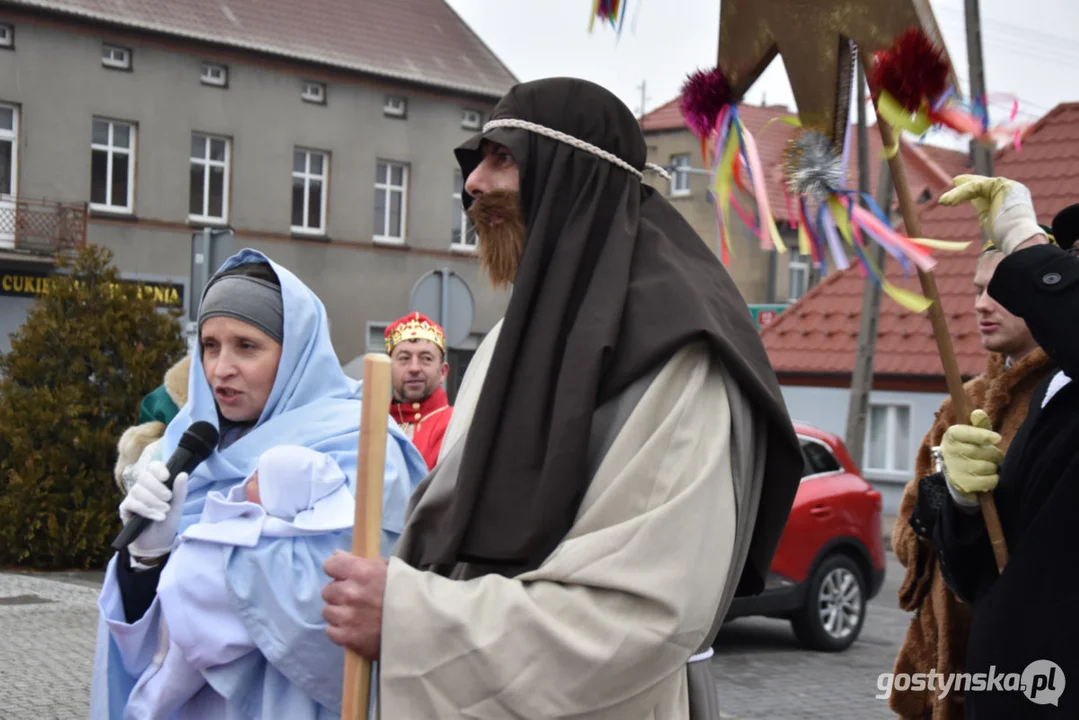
x=42 y=227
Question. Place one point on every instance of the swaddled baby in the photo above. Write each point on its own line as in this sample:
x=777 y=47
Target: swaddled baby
x=294 y=491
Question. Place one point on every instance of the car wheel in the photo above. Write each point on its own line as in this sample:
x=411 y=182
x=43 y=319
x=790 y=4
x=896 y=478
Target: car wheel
x=835 y=606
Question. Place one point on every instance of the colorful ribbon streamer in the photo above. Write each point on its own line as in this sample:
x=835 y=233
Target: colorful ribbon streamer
x=840 y=218
x=947 y=111
x=734 y=156
x=610 y=11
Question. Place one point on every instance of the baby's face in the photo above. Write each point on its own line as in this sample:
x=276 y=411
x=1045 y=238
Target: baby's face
x=252 y=489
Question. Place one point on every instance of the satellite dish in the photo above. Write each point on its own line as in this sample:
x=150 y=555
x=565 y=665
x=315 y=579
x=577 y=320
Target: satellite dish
x=444 y=296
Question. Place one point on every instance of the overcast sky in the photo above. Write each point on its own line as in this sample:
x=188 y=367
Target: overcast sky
x=1030 y=47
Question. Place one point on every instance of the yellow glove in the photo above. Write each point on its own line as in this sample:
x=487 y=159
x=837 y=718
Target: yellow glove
x=971 y=458
x=1004 y=208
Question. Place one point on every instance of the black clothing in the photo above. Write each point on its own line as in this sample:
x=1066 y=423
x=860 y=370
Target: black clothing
x=611 y=284
x=137 y=587
x=1029 y=612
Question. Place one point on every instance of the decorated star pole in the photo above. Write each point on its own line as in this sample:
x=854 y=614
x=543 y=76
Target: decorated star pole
x=814 y=40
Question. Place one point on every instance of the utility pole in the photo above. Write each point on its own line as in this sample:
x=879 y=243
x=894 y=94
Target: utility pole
x=644 y=96
x=982 y=155
x=861 y=381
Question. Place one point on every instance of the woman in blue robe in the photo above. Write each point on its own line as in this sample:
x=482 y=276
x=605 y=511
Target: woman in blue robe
x=265 y=374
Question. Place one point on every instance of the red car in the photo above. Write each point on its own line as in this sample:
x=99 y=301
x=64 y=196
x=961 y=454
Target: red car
x=830 y=561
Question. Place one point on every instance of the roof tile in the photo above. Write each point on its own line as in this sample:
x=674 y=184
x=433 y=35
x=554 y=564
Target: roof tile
x=421 y=41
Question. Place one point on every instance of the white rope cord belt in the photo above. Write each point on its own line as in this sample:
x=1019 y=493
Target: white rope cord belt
x=702 y=656
x=575 y=142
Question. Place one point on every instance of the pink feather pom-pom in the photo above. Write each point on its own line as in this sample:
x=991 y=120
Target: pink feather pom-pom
x=704 y=95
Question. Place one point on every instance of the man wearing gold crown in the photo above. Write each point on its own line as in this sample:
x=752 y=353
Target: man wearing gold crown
x=417 y=348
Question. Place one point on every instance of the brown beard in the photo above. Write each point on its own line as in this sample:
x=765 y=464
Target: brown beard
x=497 y=217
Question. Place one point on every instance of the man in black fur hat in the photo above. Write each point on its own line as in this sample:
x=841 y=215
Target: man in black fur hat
x=620 y=461
x=1022 y=655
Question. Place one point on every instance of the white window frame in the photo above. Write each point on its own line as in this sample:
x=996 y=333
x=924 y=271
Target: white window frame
x=395 y=106
x=679 y=178
x=891 y=435
x=798 y=263
x=8 y=201
x=206 y=74
x=112 y=150
x=109 y=60
x=206 y=163
x=469 y=240
x=13 y=136
x=307 y=176
x=313 y=92
x=7 y=36
x=471 y=119
x=384 y=185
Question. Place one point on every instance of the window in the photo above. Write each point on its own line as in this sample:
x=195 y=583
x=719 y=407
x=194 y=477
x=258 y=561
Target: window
x=314 y=92
x=9 y=172
x=115 y=57
x=471 y=119
x=799 y=276
x=310 y=169
x=214 y=74
x=888 y=448
x=819 y=460
x=112 y=171
x=462 y=234
x=9 y=148
x=679 y=177
x=391 y=201
x=376 y=337
x=7 y=35
x=395 y=106
x=209 y=178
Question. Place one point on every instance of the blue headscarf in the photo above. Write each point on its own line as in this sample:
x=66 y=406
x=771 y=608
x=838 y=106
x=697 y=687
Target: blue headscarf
x=312 y=404
x=276 y=586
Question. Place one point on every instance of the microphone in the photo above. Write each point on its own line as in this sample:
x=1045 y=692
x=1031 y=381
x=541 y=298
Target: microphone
x=195 y=445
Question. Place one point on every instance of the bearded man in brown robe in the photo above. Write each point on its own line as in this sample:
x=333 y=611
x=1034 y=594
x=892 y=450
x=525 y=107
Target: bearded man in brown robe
x=619 y=463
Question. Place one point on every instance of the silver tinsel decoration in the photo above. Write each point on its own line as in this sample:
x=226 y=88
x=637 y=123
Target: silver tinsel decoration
x=814 y=168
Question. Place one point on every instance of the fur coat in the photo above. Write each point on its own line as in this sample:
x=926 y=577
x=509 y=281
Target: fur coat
x=137 y=437
x=937 y=637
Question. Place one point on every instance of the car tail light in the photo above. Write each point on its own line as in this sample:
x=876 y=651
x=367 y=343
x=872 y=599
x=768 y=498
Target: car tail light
x=875 y=496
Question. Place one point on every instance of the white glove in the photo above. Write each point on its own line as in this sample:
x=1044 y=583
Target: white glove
x=1004 y=208
x=150 y=498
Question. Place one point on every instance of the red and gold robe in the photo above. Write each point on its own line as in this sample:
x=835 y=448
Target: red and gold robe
x=425 y=423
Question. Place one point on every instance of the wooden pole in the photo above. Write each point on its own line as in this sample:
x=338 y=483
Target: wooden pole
x=952 y=376
x=367 y=530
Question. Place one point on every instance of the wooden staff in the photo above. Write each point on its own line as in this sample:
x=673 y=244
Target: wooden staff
x=367 y=531
x=952 y=376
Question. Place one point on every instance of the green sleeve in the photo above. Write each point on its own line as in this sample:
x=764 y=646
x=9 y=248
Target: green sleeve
x=157 y=406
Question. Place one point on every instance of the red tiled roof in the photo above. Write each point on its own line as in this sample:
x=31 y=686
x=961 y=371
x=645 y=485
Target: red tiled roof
x=420 y=41
x=819 y=334
x=928 y=168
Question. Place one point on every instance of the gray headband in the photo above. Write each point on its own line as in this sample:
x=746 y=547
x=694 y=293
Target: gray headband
x=251 y=300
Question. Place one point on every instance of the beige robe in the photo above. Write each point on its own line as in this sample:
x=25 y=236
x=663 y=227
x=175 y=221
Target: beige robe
x=604 y=627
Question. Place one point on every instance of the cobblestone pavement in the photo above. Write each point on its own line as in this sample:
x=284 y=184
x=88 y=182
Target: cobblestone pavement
x=47 y=626
x=762 y=672
x=46 y=646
